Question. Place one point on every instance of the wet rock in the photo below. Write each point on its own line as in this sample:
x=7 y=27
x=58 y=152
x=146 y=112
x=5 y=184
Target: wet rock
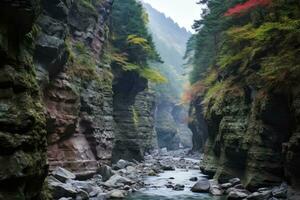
x=117 y=180
x=102 y=196
x=82 y=195
x=215 y=191
x=117 y=194
x=106 y=172
x=215 y=188
x=239 y=186
x=82 y=176
x=169 y=185
x=235 y=181
x=194 y=179
x=178 y=187
x=86 y=186
x=263 y=195
x=281 y=191
x=163 y=151
x=63 y=174
x=201 y=186
x=152 y=173
x=121 y=164
x=59 y=190
x=226 y=185
x=237 y=195
x=166 y=167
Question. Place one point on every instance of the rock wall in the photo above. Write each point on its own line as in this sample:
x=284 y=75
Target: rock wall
x=22 y=123
x=170 y=125
x=254 y=134
x=133 y=105
x=76 y=83
x=197 y=124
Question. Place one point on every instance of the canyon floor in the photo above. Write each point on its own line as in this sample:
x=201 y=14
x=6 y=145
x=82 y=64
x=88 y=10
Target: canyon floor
x=162 y=176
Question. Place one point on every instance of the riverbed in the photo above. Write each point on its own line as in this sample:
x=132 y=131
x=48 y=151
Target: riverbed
x=156 y=187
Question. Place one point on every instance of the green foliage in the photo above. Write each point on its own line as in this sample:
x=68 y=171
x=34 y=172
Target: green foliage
x=152 y=75
x=260 y=48
x=132 y=45
x=81 y=62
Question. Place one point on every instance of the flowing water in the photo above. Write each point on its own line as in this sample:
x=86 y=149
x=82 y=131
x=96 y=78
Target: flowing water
x=156 y=189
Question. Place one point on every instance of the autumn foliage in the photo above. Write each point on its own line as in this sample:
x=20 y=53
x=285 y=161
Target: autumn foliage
x=191 y=91
x=243 y=8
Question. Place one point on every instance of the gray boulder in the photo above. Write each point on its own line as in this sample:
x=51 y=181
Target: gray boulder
x=237 y=194
x=117 y=194
x=117 y=180
x=201 y=186
x=235 y=181
x=225 y=186
x=62 y=174
x=59 y=190
x=194 y=179
x=106 y=172
x=281 y=191
x=178 y=187
x=259 y=195
x=121 y=164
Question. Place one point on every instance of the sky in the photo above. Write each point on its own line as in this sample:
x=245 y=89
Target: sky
x=184 y=12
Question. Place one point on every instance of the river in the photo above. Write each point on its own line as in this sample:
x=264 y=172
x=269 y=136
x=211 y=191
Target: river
x=156 y=187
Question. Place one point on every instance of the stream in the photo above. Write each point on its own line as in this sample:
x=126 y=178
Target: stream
x=156 y=187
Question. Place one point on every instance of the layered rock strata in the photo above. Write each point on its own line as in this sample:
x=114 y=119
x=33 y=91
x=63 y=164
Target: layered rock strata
x=134 y=106
x=23 y=164
x=76 y=83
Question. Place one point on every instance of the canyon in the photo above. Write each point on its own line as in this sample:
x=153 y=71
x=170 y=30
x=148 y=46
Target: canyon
x=66 y=103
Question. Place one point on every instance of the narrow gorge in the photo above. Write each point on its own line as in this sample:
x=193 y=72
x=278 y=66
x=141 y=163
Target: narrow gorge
x=114 y=99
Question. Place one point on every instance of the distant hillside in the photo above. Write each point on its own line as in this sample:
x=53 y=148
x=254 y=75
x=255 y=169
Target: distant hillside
x=168 y=37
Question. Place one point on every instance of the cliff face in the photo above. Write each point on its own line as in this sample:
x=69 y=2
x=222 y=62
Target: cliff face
x=76 y=83
x=246 y=87
x=253 y=135
x=22 y=123
x=197 y=124
x=133 y=105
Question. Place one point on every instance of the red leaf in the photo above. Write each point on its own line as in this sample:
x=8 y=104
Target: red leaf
x=243 y=8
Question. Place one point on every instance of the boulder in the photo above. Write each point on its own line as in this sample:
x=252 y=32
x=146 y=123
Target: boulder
x=235 y=181
x=225 y=186
x=117 y=180
x=281 y=191
x=121 y=164
x=178 y=187
x=106 y=172
x=168 y=168
x=82 y=195
x=259 y=195
x=201 y=186
x=59 y=190
x=86 y=186
x=237 y=194
x=194 y=179
x=215 y=191
x=163 y=151
x=117 y=194
x=102 y=196
x=63 y=174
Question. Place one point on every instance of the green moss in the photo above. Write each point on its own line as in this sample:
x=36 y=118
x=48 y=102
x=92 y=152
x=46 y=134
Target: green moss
x=46 y=192
x=135 y=116
x=89 y=5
